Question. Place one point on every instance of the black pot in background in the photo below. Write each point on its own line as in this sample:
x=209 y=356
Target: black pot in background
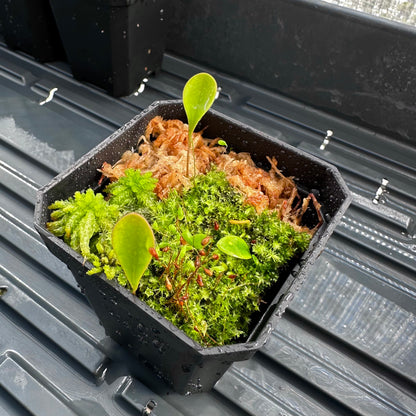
x=112 y=44
x=29 y=25
x=176 y=358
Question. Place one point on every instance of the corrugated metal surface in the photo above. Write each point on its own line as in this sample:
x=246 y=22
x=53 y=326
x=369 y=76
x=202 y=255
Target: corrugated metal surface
x=347 y=344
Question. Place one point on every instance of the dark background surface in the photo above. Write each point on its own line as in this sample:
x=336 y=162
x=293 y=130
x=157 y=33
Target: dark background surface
x=333 y=58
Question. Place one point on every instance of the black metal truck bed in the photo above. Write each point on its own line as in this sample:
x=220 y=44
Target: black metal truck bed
x=345 y=346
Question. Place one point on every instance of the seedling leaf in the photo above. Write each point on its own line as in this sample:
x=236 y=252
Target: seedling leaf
x=198 y=95
x=132 y=238
x=234 y=246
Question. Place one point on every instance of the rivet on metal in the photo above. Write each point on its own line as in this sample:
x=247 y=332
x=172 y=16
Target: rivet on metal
x=218 y=93
x=380 y=191
x=49 y=97
x=289 y=296
x=327 y=138
x=141 y=87
x=148 y=409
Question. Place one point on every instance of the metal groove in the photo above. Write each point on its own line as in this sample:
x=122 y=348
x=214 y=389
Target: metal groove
x=384 y=278
x=343 y=382
x=365 y=272
x=286 y=402
x=381 y=369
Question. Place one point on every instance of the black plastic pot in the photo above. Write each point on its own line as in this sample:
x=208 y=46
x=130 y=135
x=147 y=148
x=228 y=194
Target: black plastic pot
x=29 y=25
x=112 y=44
x=180 y=361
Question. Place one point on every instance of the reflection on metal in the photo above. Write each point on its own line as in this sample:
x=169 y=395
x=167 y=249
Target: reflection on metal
x=49 y=97
x=328 y=136
x=380 y=191
x=12 y=134
x=150 y=405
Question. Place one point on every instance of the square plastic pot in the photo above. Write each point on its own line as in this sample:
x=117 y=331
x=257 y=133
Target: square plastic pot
x=29 y=26
x=181 y=362
x=112 y=44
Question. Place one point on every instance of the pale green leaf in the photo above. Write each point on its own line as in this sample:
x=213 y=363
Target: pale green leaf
x=234 y=246
x=193 y=240
x=198 y=96
x=132 y=238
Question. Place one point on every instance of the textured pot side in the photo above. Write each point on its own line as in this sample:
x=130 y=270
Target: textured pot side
x=29 y=26
x=112 y=44
x=181 y=362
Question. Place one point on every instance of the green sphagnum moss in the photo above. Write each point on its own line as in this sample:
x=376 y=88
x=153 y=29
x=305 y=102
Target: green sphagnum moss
x=208 y=294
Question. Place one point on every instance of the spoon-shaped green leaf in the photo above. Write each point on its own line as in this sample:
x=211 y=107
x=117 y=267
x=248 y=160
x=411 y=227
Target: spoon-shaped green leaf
x=198 y=95
x=132 y=238
x=234 y=246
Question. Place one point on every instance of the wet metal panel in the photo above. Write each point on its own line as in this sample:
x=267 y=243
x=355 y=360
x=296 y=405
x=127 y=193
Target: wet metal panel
x=346 y=344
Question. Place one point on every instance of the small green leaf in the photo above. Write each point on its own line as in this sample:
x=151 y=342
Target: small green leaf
x=203 y=327
x=132 y=238
x=193 y=240
x=180 y=213
x=234 y=246
x=198 y=95
x=222 y=143
x=198 y=239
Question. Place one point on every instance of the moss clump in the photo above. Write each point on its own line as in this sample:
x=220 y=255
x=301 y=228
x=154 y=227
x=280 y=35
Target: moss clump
x=208 y=294
x=85 y=222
